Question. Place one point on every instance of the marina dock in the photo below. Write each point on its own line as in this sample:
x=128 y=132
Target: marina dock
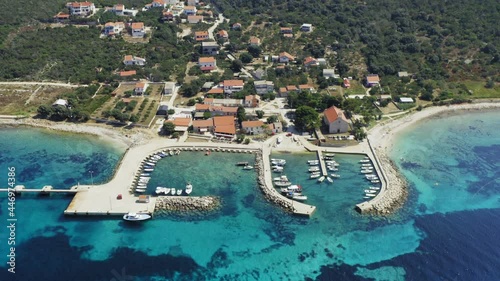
x=19 y=189
x=324 y=171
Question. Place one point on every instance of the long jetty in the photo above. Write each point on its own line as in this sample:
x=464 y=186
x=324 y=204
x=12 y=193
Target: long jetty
x=322 y=164
x=19 y=189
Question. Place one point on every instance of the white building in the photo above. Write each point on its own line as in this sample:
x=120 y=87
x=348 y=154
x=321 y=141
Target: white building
x=306 y=27
x=133 y=60
x=335 y=119
x=169 y=88
x=207 y=63
x=81 y=8
x=232 y=86
x=140 y=88
x=138 y=29
x=113 y=28
x=253 y=127
x=330 y=73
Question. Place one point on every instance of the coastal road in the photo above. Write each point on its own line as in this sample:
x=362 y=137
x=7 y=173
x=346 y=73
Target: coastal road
x=45 y=84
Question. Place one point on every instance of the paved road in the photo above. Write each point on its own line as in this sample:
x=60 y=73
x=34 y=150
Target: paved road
x=214 y=26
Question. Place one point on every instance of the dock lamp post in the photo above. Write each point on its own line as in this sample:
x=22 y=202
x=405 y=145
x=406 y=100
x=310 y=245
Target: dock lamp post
x=92 y=176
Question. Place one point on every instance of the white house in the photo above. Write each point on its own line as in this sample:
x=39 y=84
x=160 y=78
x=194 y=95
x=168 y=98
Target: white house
x=169 y=88
x=405 y=100
x=306 y=27
x=253 y=127
x=207 y=63
x=232 y=86
x=61 y=102
x=335 y=119
x=330 y=73
x=138 y=29
x=252 y=101
x=113 y=28
x=194 y=19
x=263 y=87
x=81 y=8
x=285 y=57
x=133 y=60
x=158 y=4
x=140 y=88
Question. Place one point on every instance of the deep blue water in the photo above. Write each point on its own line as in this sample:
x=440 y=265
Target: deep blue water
x=448 y=230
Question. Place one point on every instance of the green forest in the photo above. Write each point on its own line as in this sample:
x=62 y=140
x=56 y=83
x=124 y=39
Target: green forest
x=451 y=40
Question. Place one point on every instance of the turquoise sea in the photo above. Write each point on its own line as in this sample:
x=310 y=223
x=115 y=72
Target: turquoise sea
x=447 y=231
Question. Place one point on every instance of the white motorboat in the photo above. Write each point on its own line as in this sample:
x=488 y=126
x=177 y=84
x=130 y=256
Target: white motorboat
x=170 y=152
x=370 y=191
x=278 y=169
x=136 y=217
x=189 y=188
x=315 y=176
x=314 y=164
x=291 y=188
x=278 y=163
x=312 y=161
x=148 y=170
x=329 y=154
x=366 y=165
x=332 y=169
x=140 y=190
x=313 y=169
x=278 y=160
x=177 y=152
x=329 y=179
x=371 y=177
x=336 y=176
x=172 y=191
x=298 y=197
x=282 y=183
x=364 y=161
x=150 y=163
x=179 y=192
x=370 y=194
x=321 y=179
x=248 y=167
x=375 y=181
x=281 y=178
x=366 y=171
x=366 y=197
x=374 y=188
x=145 y=174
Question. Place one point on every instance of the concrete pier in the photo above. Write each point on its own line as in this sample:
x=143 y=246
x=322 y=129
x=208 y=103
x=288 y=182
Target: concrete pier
x=19 y=189
x=322 y=164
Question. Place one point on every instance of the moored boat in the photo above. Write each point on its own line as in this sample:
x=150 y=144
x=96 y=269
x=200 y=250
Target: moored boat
x=136 y=217
x=375 y=181
x=148 y=170
x=321 y=179
x=366 y=171
x=336 y=176
x=329 y=179
x=370 y=194
x=315 y=175
x=313 y=169
x=242 y=164
x=248 y=167
x=370 y=191
x=282 y=183
x=172 y=191
x=364 y=161
x=189 y=188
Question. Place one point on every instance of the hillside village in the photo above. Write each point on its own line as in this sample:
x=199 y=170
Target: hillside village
x=257 y=79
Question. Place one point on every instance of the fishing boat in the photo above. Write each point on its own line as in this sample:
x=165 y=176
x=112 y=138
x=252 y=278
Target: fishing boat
x=321 y=179
x=179 y=191
x=136 y=217
x=329 y=179
x=248 y=167
x=336 y=176
x=189 y=188
x=315 y=176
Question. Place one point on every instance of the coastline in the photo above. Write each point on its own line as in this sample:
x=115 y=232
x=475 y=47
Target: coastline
x=382 y=138
x=118 y=138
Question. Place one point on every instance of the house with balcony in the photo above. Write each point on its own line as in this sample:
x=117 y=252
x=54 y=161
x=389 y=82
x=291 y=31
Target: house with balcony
x=113 y=28
x=194 y=19
x=202 y=126
x=263 y=87
x=201 y=35
x=190 y=10
x=207 y=64
x=81 y=8
x=120 y=10
x=210 y=48
x=133 y=60
x=232 y=86
x=138 y=29
x=330 y=73
x=253 y=127
x=140 y=88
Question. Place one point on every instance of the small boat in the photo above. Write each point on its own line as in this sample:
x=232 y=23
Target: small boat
x=321 y=179
x=314 y=164
x=371 y=177
x=148 y=170
x=370 y=194
x=170 y=152
x=370 y=191
x=281 y=178
x=374 y=188
x=177 y=152
x=364 y=161
x=299 y=197
x=150 y=163
x=179 y=191
x=145 y=174
x=279 y=140
x=291 y=188
x=332 y=169
x=366 y=165
x=329 y=179
x=313 y=169
x=189 y=188
x=375 y=181
x=172 y=191
x=207 y=153
x=336 y=176
x=161 y=190
x=242 y=164
x=366 y=197
x=248 y=167
x=278 y=163
x=136 y=217
x=329 y=154
x=315 y=176
x=278 y=160
x=140 y=190
x=278 y=169
x=312 y=161
x=366 y=171
x=282 y=183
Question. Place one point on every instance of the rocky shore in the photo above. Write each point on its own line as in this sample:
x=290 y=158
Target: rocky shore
x=269 y=194
x=185 y=204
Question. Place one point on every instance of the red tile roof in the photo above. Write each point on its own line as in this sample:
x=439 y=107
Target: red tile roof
x=333 y=113
x=137 y=25
x=223 y=121
x=215 y=91
x=202 y=107
x=226 y=129
x=128 y=73
x=252 y=124
x=229 y=83
x=206 y=59
x=203 y=123
x=372 y=78
x=181 y=121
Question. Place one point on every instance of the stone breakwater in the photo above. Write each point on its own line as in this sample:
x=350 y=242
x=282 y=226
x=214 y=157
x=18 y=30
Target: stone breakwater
x=172 y=204
x=396 y=191
x=269 y=194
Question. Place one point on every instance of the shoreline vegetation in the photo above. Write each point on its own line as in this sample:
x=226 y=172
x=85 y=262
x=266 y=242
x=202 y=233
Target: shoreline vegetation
x=381 y=139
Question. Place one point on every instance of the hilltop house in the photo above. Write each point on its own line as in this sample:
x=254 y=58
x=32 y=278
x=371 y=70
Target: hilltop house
x=194 y=19
x=200 y=35
x=336 y=121
x=285 y=57
x=263 y=87
x=113 y=28
x=133 y=60
x=61 y=102
x=306 y=27
x=372 y=80
x=253 y=127
x=190 y=10
x=119 y=10
x=207 y=63
x=232 y=86
x=81 y=8
x=236 y=26
x=138 y=29
x=140 y=88
x=209 y=48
